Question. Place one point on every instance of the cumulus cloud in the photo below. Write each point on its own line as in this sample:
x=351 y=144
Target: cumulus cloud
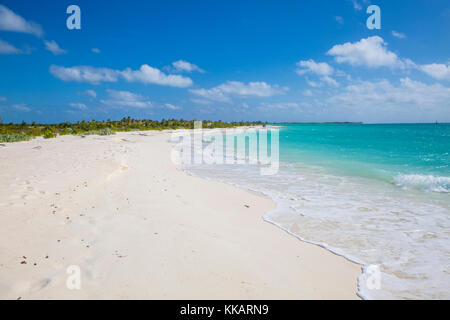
x=145 y=74
x=399 y=35
x=223 y=92
x=84 y=74
x=80 y=106
x=322 y=69
x=148 y=74
x=437 y=71
x=370 y=52
x=54 y=48
x=184 y=66
x=96 y=50
x=319 y=68
x=9 y=21
x=6 y=48
x=382 y=98
x=126 y=99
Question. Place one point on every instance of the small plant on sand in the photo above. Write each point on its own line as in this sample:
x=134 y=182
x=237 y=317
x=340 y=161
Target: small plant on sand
x=14 y=137
x=101 y=132
x=66 y=131
x=49 y=133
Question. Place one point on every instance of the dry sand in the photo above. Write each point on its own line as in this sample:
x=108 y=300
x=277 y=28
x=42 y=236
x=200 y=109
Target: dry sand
x=139 y=228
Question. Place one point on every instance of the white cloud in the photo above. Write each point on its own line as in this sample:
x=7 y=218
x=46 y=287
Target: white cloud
x=307 y=93
x=202 y=101
x=6 y=48
x=3 y=99
x=370 y=52
x=21 y=107
x=145 y=74
x=126 y=99
x=148 y=74
x=339 y=19
x=313 y=84
x=278 y=105
x=322 y=69
x=437 y=71
x=399 y=35
x=356 y=5
x=172 y=107
x=54 y=48
x=213 y=94
x=223 y=92
x=9 y=21
x=96 y=50
x=181 y=65
x=330 y=81
x=384 y=100
x=319 y=68
x=90 y=93
x=84 y=74
x=80 y=106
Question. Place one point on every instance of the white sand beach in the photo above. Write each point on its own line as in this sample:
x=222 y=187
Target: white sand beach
x=139 y=228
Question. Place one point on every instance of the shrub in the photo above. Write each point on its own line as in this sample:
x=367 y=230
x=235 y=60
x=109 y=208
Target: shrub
x=101 y=132
x=14 y=137
x=48 y=133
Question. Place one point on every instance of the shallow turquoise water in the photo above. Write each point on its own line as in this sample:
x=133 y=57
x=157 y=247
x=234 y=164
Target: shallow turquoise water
x=379 y=151
x=377 y=194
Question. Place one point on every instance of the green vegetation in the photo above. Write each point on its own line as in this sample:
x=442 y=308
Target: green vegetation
x=13 y=137
x=21 y=132
x=101 y=132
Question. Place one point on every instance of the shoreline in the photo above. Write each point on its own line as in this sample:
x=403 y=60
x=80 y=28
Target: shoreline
x=139 y=228
x=333 y=250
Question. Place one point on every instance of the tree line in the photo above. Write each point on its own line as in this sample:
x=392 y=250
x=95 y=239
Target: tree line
x=25 y=131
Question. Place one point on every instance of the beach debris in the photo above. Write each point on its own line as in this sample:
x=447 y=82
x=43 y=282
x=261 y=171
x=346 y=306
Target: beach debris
x=19 y=298
x=23 y=262
x=37 y=148
x=46 y=257
x=246 y=205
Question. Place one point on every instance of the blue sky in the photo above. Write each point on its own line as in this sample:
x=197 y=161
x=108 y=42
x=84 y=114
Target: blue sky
x=230 y=60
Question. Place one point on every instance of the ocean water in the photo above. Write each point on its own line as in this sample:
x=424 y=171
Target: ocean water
x=377 y=194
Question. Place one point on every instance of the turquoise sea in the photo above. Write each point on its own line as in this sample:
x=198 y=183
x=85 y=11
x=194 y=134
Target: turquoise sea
x=378 y=194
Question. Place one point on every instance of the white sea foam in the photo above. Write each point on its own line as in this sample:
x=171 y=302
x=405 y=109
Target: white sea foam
x=423 y=182
x=399 y=227
x=405 y=232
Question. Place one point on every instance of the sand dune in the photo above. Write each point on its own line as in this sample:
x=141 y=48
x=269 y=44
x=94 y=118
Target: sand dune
x=139 y=228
